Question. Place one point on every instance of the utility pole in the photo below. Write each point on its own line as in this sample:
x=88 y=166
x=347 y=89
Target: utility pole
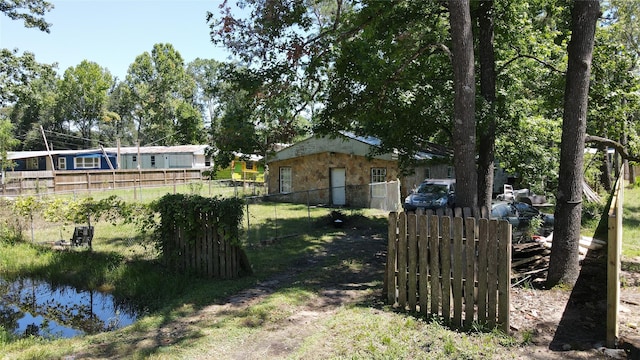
x=44 y=137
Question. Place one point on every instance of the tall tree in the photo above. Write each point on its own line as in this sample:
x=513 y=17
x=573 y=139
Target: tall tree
x=31 y=12
x=487 y=121
x=16 y=73
x=464 y=123
x=564 y=262
x=158 y=83
x=207 y=74
x=7 y=143
x=82 y=98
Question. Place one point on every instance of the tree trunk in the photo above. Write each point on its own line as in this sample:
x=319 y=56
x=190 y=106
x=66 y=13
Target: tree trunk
x=605 y=169
x=487 y=138
x=464 y=125
x=564 y=263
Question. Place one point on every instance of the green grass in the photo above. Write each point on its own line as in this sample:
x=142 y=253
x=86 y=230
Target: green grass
x=631 y=223
x=124 y=265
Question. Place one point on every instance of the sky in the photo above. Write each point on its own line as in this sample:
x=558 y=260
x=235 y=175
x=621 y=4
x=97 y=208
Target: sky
x=113 y=33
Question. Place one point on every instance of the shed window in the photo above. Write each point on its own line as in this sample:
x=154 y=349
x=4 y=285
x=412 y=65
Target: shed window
x=153 y=161
x=427 y=173
x=249 y=165
x=62 y=163
x=32 y=164
x=86 y=162
x=285 y=179
x=378 y=175
x=449 y=172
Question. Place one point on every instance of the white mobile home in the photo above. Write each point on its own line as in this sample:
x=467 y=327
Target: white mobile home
x=163 y=157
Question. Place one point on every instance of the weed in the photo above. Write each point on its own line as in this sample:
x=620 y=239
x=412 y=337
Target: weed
x=527 y=337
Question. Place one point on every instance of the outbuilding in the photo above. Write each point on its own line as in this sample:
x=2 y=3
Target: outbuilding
x=341 y=171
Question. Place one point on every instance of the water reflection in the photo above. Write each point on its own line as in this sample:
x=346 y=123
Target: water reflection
x=34 y=307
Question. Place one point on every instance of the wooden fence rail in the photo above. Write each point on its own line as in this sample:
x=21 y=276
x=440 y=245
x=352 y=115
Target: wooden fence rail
x=32 y=182
x=614 y=252
x=433 y=268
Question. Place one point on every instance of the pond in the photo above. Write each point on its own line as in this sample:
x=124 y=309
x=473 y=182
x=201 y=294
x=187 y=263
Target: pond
x=34 y=307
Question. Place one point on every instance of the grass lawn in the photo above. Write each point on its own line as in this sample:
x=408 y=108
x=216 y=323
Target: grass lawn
x=631 y=223
x=178 y=321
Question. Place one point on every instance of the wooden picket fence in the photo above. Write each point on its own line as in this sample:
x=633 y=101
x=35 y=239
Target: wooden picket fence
x=433 y=269
x=205 y=251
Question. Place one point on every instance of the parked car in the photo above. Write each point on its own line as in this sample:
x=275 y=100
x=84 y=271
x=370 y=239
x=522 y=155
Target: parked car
x=519 y=214
x=432 y=194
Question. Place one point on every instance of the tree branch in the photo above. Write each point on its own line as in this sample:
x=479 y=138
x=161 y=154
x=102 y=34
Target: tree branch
x=621 y=149
x=520 y=56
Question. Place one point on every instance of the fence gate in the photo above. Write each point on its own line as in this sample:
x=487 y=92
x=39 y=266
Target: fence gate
x=434 y=269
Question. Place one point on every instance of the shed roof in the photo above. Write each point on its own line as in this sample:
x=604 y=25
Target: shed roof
x=349 y=143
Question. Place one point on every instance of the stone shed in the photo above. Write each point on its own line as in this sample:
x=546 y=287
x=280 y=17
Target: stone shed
x=332 y=170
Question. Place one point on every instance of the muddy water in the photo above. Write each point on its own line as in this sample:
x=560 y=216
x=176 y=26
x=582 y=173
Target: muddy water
x=34 y=307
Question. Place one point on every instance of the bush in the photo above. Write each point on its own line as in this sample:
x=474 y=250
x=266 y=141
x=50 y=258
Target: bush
x=10 y=232
x=591 y=212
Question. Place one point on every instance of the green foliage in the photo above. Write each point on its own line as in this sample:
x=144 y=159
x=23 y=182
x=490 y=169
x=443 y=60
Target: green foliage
x=10 y=232
x=592 y=211
x=188 y=213
x=7 y=142
x=157 y=85
x=82 y=96
x=31 y=12
x=532 y=151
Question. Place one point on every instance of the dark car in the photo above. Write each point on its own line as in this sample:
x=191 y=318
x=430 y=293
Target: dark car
x=432 y=194
x=519 y=214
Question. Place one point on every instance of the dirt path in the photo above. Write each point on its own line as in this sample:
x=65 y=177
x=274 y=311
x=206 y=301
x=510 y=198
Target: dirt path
x=561 y=324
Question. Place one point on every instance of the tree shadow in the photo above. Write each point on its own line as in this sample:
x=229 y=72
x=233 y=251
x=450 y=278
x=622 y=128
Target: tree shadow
x=584 y=320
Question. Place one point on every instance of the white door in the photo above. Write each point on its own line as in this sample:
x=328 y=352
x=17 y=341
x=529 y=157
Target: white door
x=338 y=182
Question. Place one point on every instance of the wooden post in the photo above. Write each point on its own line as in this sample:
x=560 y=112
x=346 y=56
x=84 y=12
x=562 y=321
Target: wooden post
x=483 y=238
x=434 y=246
x=423 y=263
x=390 y=278
x=412 y=247
x=469 y=283
x=445 y=257
x=458 y=227
x=504 y=274
x=492 y=275
x=402 y=261
x=614 y=250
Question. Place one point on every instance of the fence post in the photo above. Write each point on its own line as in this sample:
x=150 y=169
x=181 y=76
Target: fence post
x=402 y=261
x=434 y=246
x=504 y=274
x=390 y=280
x=614 y=250
x=412 y=261
x=423 y=263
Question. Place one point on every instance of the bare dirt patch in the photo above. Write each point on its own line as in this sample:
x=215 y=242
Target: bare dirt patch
x=560 y=324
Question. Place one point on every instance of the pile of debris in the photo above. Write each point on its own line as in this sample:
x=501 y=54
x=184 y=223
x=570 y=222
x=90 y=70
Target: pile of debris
x=530 y=260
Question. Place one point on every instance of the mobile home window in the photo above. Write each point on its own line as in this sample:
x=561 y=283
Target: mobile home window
x=86 y=162
x=32 y=164
x=285 y=179
x=378 y=175
x=62 y=163
x=153 y=161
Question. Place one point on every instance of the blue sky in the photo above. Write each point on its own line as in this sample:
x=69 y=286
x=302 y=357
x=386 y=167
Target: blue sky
x=112 y=33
